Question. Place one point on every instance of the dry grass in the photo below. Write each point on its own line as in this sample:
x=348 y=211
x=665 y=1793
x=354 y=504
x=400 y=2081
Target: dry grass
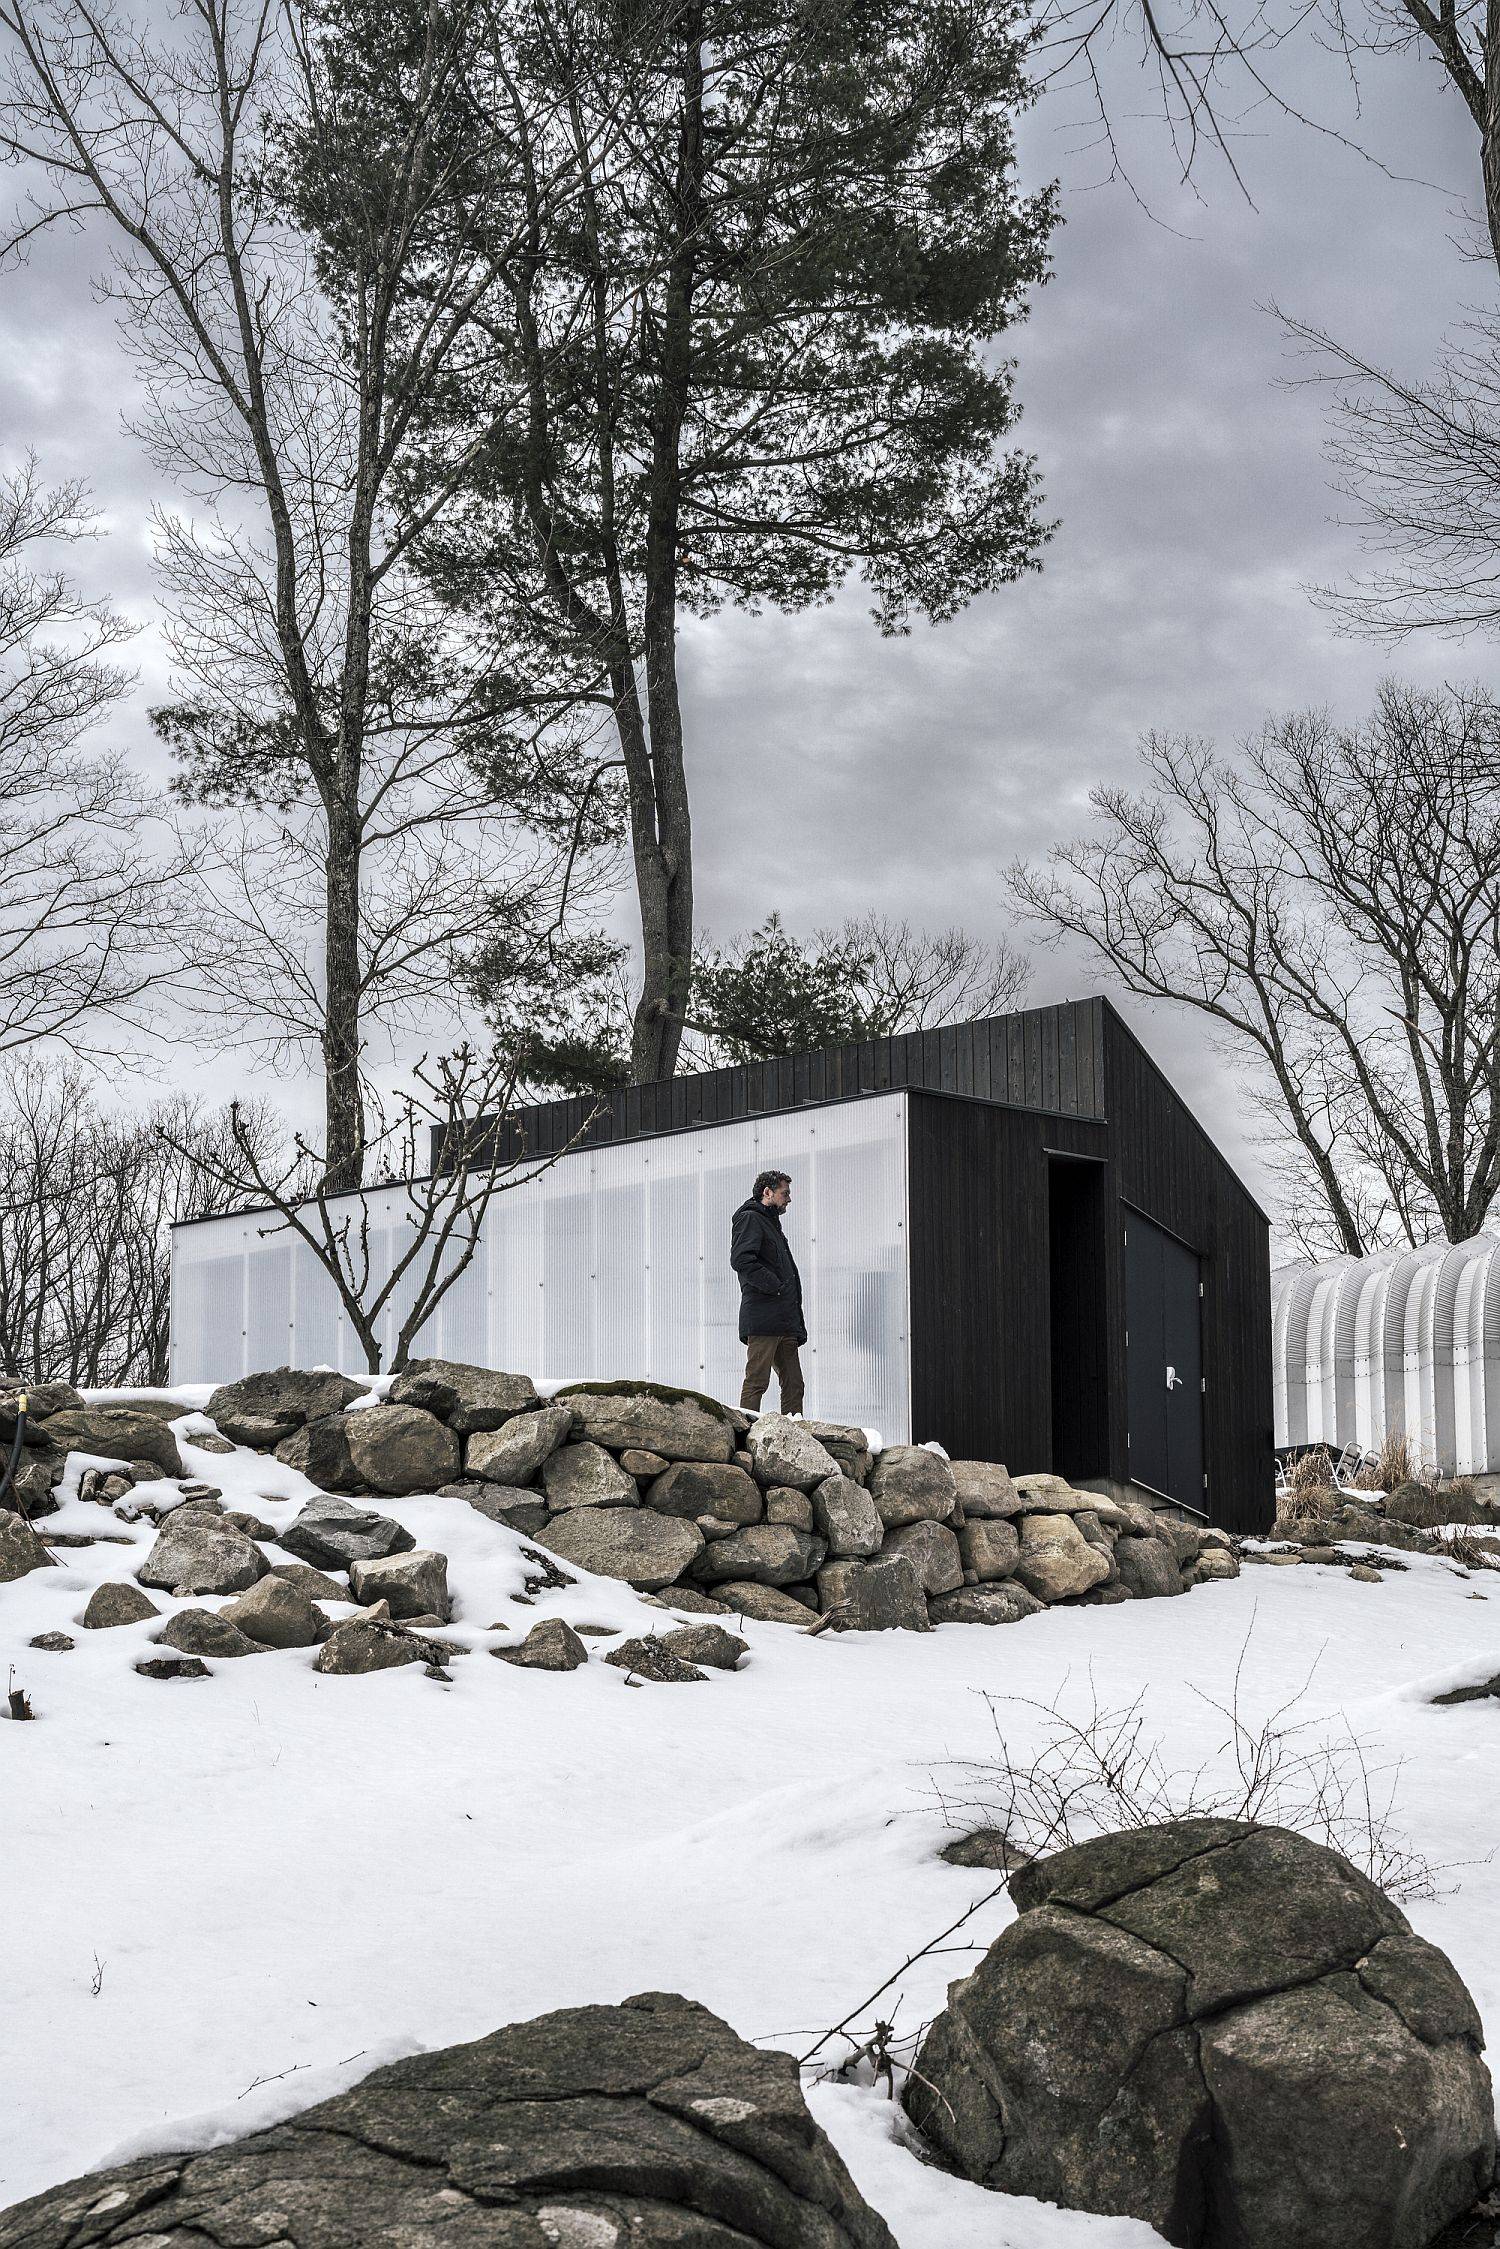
x=1397 y=1464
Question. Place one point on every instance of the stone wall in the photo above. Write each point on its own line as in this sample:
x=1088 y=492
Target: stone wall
x=778 y=1519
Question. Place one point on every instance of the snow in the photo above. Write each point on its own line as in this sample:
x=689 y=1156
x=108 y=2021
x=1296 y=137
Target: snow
x=277 y=1880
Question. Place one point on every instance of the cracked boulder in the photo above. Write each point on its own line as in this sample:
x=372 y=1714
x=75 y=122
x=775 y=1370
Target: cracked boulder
x=332 y=1534
x=196 y=1553
x=261 y=1409
x=400 y=1449
x=644 y=2126
x=1223 y=2030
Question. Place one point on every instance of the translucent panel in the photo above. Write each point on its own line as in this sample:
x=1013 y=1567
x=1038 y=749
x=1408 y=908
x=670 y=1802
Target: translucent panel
x=268 y=1305
x=613 y=1262
x=1368 y=1347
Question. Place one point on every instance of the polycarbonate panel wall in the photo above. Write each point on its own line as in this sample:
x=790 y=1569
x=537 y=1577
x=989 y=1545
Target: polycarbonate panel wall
x=613 y=1262
x=1411 y=1343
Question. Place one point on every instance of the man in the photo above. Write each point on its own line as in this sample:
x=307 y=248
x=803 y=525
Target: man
x=771 y=1322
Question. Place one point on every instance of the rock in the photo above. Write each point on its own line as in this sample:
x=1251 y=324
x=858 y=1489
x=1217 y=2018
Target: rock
x=514 y=1452
x=881 y=1595
x=689 y=1601
x=583 y=1475
x=783 y=1505
x=196 y=1553
x=934 y=1550
x=209 y=1441
x=400 y=1449
x=635 y=1544
x=550 y=1645
x=319 y=1450
x=985 y=1489
x=990 y=1546
x=1091 y=1527
x=55 y=1643
x=650 y=1658
x=909 y=1484
x=1213 y=1563
x=279 y=1613
x=21 y=1551
x=1484 y=1690
x=313 y=1583
x=415 y=1583
x=248 y=1411
x=251 y=1525
x=766 y=1604
x=116 y=1433
x=117 y=1602
x=712 y=1527
x=32 y=1491
x=847 y=1517
x=1224 y=2031
x=332 y=1534
x=1147 y=1567
x=1365 y=1575
x=203 y=1632
x=649 y=2124
x=361 y=1644
x=522 y=1511
x=1185 y=1539
x=706 y=1643
x=1057 y=1561
x=467 y=1398
x=785 y=1452
x=158 y=1667
x=644 y=1466
x=989 y=1847
x=985 y=1604
x=42 y=1400
x=648 y=1419
x=703 y=1487
x=772 y=1553
x=847 y=1445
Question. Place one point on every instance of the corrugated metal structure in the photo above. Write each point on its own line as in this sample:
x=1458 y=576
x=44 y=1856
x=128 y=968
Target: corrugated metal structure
x=1014 y=1237
x=1409 y=1343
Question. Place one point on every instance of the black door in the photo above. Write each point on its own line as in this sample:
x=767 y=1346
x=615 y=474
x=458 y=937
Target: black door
x=1163 y=1362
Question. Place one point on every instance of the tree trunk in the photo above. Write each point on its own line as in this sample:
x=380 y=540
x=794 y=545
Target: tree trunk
x=1489 y=142
x=344 y=1124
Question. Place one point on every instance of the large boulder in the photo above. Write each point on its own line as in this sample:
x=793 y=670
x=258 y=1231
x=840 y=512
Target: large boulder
x=847 y=1518
x=706 y=1487
x=934 y=1550
x=645 y=1549
x=649 y=2124
x=117 y=1602
x=909 y=1484
x=584 y=1475
x=783 y=1451
x=363 y=1644
x=990 y=1546
x=768 y=1553
x=42 y=1400
x=21 y=1551
x=278 y=1614
x=767 y=1604
x=513 y=1452
x=1223 y=2030
x=984 y=1488
x=261 y=1409
x=1043 y=1494
x=649 y=1417
x=882 y=1595
x=467 y=1398
x=115 y=1433
x=550 y=1645
x=1006 y=1603
x=414 y=1583
x=847 y=1443
x=206 y=1632
x=1148 y=1567
x=196 y=1553
x=32 y=1490
x=400 y=1449
x=1056 y=1560
x=319 y=1450
x=333 y=1533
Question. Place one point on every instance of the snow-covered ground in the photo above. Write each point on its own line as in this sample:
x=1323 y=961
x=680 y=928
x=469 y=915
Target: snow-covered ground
x=225 y=1898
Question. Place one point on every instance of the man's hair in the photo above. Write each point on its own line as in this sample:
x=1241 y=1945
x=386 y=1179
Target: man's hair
x=767 y=1179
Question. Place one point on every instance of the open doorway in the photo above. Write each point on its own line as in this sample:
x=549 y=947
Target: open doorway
x=1080 y=1411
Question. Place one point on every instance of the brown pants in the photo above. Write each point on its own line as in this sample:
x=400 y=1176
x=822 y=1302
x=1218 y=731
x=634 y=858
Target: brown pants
x=763 y=1352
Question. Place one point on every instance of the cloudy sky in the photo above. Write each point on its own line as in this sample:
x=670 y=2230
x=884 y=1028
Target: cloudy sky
x=1189 y=481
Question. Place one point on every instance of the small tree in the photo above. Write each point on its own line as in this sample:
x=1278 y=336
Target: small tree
x=426 y=1151
x=1330 y=903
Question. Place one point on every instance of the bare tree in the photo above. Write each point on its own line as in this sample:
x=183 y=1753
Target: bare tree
x=87 y=909
x=1330 y=902
x=441 y=1155
x=320 y=683
x=89 y=1200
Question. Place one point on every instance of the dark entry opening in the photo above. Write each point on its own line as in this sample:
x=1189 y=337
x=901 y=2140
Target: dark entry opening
x=1164 y=1362
x=1075 y=1224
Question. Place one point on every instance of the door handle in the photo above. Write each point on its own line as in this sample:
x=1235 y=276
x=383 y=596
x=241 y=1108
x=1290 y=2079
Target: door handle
x=1171 y=1378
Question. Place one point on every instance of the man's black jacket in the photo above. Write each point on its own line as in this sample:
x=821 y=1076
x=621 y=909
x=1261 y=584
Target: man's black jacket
x=770 y=1285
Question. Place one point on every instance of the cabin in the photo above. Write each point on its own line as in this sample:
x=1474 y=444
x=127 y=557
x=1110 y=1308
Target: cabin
x=1014 y=1236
